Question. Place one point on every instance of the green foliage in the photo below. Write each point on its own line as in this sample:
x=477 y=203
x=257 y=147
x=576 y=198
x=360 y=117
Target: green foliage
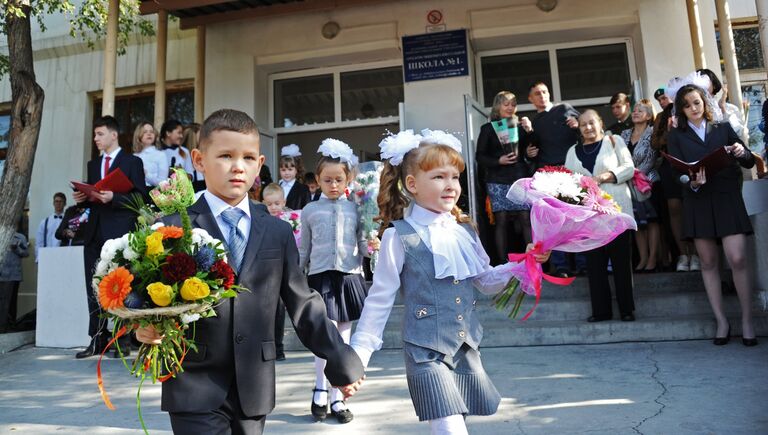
x=88 y=22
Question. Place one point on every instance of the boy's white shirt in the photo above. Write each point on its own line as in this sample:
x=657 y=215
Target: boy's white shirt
x=217 y=206
x=386 y=283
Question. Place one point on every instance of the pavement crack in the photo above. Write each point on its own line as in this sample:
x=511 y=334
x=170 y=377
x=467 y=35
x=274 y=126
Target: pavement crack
x=657 y=400
x=520 y=426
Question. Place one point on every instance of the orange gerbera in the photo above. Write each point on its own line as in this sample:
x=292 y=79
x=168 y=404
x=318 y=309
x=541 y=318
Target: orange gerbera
x=170 y=232
x=114 y=287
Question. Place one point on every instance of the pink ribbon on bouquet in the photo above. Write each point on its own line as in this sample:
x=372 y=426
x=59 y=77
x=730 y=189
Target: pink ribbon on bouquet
x=535 y=272
x=641 y=181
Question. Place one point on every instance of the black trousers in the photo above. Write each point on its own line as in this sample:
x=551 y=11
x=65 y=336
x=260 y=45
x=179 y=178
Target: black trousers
x=91 y=254
x=619 y=251
x=227 y=420
x=279 y=327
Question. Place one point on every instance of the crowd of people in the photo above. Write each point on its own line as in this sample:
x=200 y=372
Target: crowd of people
x=681 y=222
x=427 y=246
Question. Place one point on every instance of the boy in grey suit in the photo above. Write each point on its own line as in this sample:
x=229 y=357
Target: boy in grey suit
x=228 y=385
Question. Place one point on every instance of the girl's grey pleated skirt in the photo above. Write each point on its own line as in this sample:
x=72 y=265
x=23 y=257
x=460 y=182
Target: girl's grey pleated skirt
x=443 y=385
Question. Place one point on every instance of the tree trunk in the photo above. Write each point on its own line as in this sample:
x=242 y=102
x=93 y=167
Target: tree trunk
x=26 y=112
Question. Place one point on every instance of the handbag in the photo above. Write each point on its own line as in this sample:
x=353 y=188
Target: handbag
x=639 y=185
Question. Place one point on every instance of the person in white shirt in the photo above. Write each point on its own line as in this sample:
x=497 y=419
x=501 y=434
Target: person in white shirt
x=46 y=231
x=171 y=137
x=155 y=162
x=431 y=252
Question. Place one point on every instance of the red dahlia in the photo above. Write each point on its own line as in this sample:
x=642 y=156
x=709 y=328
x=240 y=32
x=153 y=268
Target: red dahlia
x=178 y=267
x=555 y=169
x=223 y=271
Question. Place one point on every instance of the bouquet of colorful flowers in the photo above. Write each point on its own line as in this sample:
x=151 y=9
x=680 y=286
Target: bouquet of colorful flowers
x=569 y=212
x=162 y=276
x=364 y=193
x=293 y=217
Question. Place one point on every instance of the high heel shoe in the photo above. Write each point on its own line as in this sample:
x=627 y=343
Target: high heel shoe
x=721 y=341
x=749 y=342
x=320 y=412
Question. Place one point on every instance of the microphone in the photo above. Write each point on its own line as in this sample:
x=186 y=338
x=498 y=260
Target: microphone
x=684 y=179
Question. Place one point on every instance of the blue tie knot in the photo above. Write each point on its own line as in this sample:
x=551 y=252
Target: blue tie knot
x=232 y=216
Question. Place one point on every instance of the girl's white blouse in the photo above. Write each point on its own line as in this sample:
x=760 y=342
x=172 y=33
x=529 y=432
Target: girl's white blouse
x=461 y=257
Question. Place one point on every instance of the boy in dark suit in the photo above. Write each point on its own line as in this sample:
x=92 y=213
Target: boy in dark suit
x=109 y=219
x=228 y=385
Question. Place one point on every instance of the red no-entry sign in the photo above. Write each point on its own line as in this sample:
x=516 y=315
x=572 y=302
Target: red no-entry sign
x=434 y=17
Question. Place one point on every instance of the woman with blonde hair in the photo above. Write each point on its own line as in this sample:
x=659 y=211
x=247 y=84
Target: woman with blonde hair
x=500 y=153
x=155 y=162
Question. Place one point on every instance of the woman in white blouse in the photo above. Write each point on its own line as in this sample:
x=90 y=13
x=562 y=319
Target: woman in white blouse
x=155 y=162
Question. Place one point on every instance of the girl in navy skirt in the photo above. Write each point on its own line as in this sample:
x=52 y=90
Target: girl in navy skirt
x=433 y=255
x=713 y=208
x=332 y=243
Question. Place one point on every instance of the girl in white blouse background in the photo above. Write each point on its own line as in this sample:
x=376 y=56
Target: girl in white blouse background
x=332 y=245
x=430 y=252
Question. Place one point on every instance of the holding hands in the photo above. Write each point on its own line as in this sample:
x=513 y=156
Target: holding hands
x=351 y=389
x=540 y=258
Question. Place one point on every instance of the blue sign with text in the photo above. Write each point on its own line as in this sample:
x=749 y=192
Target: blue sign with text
x=435 y=55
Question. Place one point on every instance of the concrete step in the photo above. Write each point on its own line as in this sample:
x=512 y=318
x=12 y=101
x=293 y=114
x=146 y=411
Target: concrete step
x=501 y=333
x=645 y=283
x=646 y=305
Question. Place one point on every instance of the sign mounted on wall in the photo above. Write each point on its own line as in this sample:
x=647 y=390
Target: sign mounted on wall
x=435 y=55
x=435 y=21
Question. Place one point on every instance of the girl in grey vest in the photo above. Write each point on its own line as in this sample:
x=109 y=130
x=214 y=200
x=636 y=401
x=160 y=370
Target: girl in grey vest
x=433 y=255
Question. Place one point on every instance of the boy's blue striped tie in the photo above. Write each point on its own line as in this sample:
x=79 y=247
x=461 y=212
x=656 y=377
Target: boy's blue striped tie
x=236 y=239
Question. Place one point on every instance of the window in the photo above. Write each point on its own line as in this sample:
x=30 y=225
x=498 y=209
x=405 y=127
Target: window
x=5 y=137
x=130 y=110
x=749 y=52
x=588 y=72
x=373 y=93
x=336 y=98
x=304 y=101
x=514 y=73
x=580 y=73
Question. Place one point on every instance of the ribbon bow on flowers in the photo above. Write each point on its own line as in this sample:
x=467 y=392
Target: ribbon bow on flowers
x=535 y=274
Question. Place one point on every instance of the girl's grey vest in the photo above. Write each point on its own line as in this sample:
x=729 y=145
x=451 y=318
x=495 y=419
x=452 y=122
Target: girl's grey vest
x=439 y=313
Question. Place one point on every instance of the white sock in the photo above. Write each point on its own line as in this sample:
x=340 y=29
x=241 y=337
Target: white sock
x=451 y=425
x=320 y=397
x=338 y=406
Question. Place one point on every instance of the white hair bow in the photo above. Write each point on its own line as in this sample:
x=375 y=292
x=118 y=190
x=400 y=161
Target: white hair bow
x=337 y=149
x=291 y=150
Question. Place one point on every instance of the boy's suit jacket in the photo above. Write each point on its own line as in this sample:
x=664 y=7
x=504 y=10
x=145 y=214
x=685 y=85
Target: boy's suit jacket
x=687 y=146
x=298 y=197
x=238 y=345
x=112 y=220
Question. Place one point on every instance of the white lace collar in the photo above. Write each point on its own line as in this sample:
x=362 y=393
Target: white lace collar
x=455 y=252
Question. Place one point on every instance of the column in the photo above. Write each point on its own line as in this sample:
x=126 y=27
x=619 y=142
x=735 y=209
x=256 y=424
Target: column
x=200 y=76
x=762 y=18
x=694 y=23
x=162 y=49
x=110 y=59
x=729 y=53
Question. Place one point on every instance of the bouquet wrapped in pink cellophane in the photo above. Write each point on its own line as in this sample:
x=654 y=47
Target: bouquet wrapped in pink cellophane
x=569 y=213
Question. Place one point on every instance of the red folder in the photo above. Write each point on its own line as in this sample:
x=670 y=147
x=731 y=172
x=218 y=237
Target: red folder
x=115 y=181
x=713 y=162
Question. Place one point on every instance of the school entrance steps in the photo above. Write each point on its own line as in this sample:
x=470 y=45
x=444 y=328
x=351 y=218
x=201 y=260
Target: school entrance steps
x=669 y=306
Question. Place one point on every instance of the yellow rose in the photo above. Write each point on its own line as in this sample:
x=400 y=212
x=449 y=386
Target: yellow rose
x=155 y=244
x=160 y=293
x=194 y=289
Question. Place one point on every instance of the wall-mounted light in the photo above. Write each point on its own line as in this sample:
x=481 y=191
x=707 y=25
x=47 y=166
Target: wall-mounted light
x=546 y=5
x=330 y=29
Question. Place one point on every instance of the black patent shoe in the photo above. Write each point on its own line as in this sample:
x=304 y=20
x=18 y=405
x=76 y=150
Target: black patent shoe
x=94 y=347
x=629 y=317
x=721 y=341
x=344 y=416
x=749 y=342
x=319 y=412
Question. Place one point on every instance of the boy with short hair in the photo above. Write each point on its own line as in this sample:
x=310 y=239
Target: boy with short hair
x=228 y=385
x=314 y=188
x=274 y=199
